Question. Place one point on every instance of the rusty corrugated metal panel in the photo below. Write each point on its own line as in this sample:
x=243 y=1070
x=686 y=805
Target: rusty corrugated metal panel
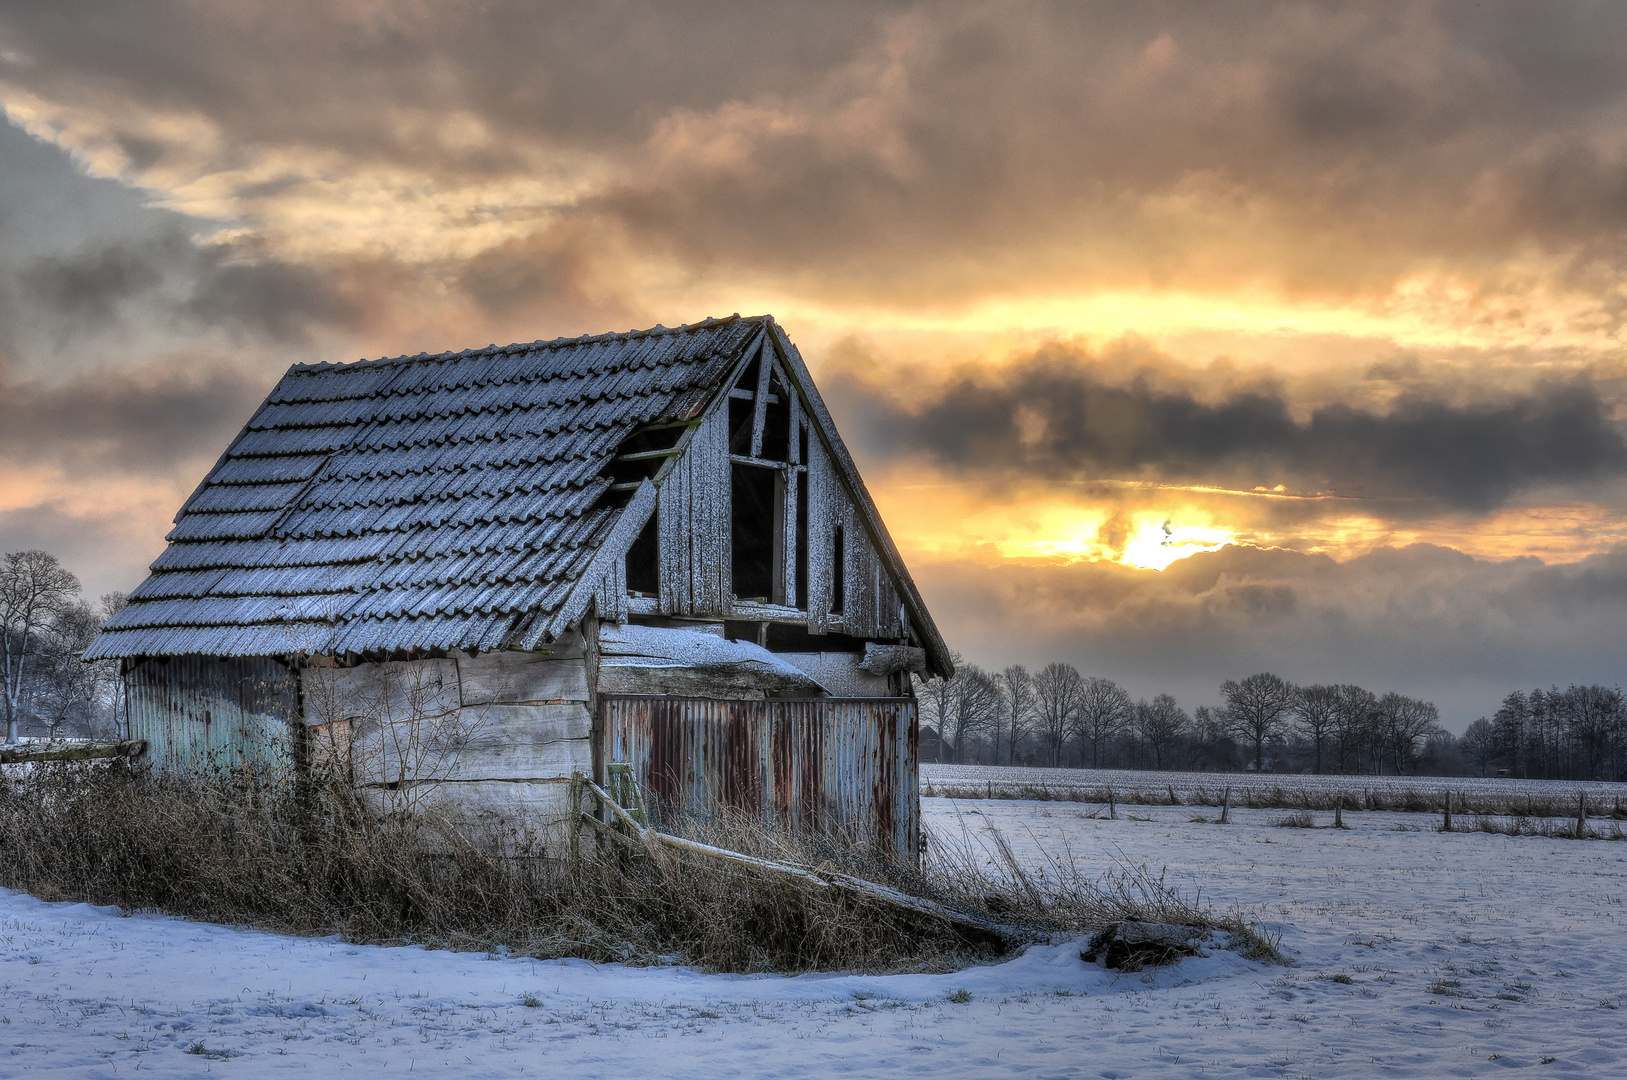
x=837 y=765
x=200 y=712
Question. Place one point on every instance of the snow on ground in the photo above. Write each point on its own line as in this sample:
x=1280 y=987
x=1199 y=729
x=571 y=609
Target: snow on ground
x=1457 y=949
x=1125 y=781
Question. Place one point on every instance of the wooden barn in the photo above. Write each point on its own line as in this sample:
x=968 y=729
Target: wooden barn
x=468 y=576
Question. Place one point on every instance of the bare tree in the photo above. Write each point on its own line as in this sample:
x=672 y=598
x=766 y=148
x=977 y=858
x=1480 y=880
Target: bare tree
x=1256 y=707
x=1057 y=691
x=937 y=697
x=1316 y=711
x=34 y=589
x=65 y=691
x=974 y=706
x=1354 y=726
x=1479 y=746
x=1405 y=721
x=1104 y=709
x=1018 y=685
x=1161 y=723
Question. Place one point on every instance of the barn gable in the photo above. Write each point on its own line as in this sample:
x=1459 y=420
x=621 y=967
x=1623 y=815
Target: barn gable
x=483 y=500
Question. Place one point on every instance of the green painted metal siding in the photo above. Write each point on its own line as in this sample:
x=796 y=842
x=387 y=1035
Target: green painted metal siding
x=199 y=713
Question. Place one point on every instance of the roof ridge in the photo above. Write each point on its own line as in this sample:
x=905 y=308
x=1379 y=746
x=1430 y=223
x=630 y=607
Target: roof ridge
x=658 y=330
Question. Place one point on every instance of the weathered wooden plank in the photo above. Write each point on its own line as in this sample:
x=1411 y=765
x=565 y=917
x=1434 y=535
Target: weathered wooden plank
x=491 y=742
x=514 y=677
x=691 y=663
x=710 y=566
x=674 y=529
x=78 y=751
x=539 y=761
x=396 y=691
x=862 y=570
x=821 y=538
x=527 y=817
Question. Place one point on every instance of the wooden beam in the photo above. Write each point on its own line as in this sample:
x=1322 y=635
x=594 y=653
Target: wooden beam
x=22 y=753
x=765 y=369
x=647 y=455
x=870 y=891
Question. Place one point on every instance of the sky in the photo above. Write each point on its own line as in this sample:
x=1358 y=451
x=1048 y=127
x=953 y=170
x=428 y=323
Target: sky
x=1175 y=341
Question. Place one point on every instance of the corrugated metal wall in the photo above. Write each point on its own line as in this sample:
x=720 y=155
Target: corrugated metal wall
x=200 y=712
x=828 y=764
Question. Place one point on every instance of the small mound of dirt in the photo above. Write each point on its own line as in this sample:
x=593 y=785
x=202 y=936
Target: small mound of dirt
x=1132 y=945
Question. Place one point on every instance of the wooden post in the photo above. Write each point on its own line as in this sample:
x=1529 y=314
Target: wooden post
x=1338 y=813
x=1112 y=807
x=1581 y=815
x=1173 y=801
x=1446 y=822
x=1226 y=806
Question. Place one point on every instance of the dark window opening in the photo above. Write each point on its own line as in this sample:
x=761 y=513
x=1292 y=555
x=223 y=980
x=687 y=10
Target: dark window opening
x=802 y=443
x=777 y=424
x=748 y=377
x=838 y=574
x=802 y=541
x=794 y=637
x=648 y=450
x=753 y=632
x=753 y=521
x=644 y=559
x=740 y=418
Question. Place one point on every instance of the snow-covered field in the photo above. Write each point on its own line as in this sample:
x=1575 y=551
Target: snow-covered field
x=1416 y=954
x=1128 y=781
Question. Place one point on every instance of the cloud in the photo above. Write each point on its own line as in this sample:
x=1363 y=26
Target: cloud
x=175 y=279
x=150 y=421
x=1062 y=415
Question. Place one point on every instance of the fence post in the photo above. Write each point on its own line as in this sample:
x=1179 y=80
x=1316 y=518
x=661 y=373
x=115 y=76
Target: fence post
x=1226 y=806
x=1581 y=815
x=1446 y=823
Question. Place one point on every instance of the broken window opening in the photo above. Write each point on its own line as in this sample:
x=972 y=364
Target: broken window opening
x=802 y=540
x=644 y=560
x=838 y=574
x=640 y=456
x=756 y=517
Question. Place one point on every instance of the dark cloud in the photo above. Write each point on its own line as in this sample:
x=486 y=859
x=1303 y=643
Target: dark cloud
x=170 y=278
x=897 y=146
x=1423 y=620
x=1059 y=415
x=153 y=420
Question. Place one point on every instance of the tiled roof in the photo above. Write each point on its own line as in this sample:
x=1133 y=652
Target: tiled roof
x=415 y=502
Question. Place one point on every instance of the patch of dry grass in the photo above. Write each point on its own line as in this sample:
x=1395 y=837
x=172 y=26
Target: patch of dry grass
x=313 y=859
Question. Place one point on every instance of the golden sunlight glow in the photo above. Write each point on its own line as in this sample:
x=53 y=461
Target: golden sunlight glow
x=1157 y=544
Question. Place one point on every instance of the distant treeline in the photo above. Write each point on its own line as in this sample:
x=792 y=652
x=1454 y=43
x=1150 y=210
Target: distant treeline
x=1060 y=717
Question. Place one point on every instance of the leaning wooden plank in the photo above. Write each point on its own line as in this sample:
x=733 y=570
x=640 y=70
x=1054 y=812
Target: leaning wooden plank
x=869 y=890
x=81 y=752
x=759 y=412
x=614 y=549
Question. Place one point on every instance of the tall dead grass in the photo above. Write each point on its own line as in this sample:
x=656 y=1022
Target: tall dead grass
x=313 y=859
